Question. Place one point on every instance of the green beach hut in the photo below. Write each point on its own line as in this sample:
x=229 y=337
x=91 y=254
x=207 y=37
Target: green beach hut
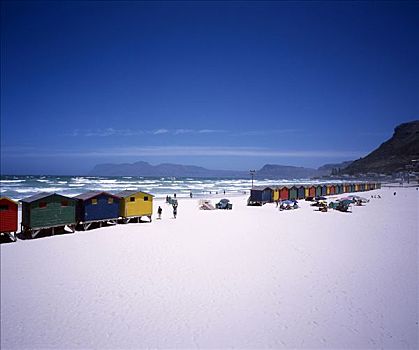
x=318 y=190
x=47 y=211
x=293 y=194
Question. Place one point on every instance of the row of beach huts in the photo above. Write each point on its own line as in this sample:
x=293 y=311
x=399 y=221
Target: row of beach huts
x=51 y=210
x=271 y=194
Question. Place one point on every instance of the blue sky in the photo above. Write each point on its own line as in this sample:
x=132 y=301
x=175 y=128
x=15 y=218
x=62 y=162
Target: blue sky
x=225 y=85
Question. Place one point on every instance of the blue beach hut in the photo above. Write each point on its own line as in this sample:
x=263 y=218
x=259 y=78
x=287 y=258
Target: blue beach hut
x=97 y=206
x=300 y=192
x=267 y=195
x=324 y=190
x=260 y=195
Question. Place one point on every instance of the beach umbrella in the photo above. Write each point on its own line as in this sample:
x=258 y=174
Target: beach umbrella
x=345 y=199
x=358 y=198
x=290 y=202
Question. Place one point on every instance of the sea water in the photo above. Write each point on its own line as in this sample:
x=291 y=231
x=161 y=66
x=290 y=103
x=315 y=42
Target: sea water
x=19 y=187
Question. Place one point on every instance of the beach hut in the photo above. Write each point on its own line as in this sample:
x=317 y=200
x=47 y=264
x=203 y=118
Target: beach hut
x=267 y=195
x=47 y=211
x=275 y=194
x=352 y=188
x=318 y=190
x=339 y=189
x=97 y=207
x=255 y=196
x=332 y=189
x=356 y=187
x=306 y=191
x=134 y=205
x=293 y=192
x=284 y=193
x=300 y=192
x=324 y=190
x=8 y=217
x=312 y=191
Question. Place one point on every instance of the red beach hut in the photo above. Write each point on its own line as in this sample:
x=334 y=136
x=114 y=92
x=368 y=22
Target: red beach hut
x=284 y=193
x=8 y=217
x=312 y=191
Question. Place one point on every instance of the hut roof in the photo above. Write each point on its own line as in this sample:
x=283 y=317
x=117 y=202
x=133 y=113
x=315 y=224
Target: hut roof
x=128 y=193
x=91 y=194
x=42 y=195
x=261 y=188
x=8 y=199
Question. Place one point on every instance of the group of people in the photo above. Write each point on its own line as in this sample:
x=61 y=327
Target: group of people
x=160 y=211
x=174 y=204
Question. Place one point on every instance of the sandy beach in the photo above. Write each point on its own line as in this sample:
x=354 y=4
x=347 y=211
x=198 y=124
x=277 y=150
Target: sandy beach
x=251 y=277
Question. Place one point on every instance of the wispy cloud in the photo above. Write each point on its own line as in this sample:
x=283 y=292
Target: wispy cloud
x=106 y=132
x=160 y=131
x=175 y=151
x=268 y=132
x=182 y=131
x=211 y=131
x=129 y=132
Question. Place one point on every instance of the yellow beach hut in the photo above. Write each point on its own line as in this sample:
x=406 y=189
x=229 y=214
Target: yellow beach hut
x=328 y=190
x=134 y=205
x=306 y=191
x=275 y=191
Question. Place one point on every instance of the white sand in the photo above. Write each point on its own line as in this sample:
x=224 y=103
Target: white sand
x=252 y=277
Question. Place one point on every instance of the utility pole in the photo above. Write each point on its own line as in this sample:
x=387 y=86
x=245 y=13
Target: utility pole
x=252 y=172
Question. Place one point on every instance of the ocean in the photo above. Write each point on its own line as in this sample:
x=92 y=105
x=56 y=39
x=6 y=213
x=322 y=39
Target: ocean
x=19 y=187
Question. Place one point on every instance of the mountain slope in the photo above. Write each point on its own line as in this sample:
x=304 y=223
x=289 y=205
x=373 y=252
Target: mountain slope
x=393 y=155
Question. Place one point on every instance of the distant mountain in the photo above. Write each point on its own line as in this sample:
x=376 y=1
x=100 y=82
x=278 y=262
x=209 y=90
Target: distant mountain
x=393 y=155
x=164 y=170
x=333 y=169
x=177 y=170
x=285 y=172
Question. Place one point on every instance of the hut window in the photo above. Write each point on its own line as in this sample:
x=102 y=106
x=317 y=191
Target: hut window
x=110 y=200
x=42 y=204
x=94 y=201
x=4 y=207
x=64 y=203
x=132 y=199
x=146 y=198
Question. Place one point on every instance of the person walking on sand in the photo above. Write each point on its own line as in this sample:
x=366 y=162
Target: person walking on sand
x=174 y=211
x=159 y=211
